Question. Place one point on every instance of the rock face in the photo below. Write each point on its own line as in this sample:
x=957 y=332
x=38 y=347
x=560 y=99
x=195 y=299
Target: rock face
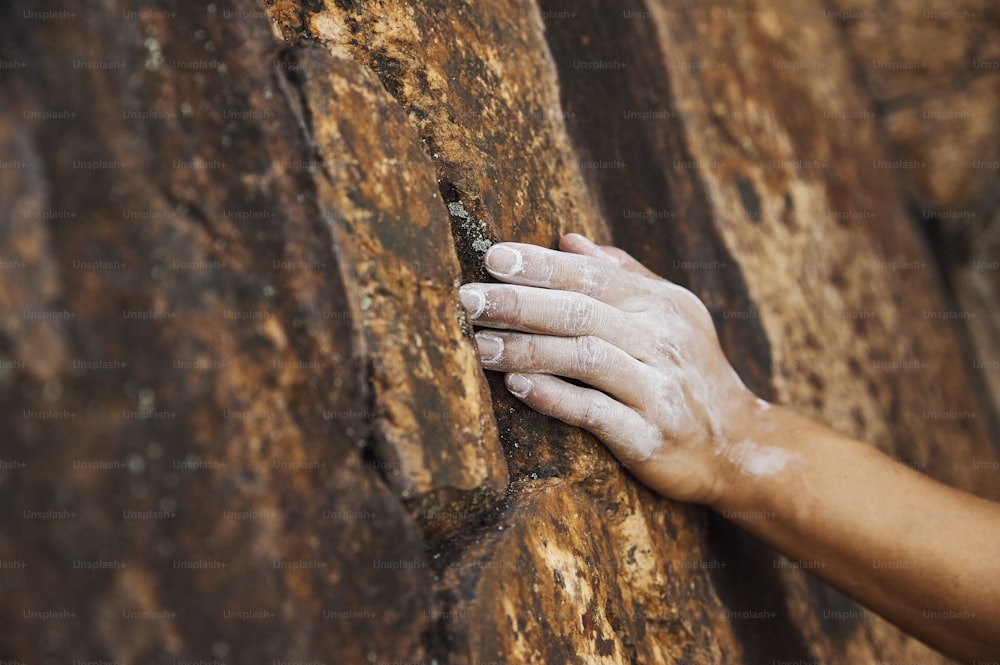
x=243 y=416
x=940 y=108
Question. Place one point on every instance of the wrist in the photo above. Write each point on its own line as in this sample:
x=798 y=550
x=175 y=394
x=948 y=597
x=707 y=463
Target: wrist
x=760 y=455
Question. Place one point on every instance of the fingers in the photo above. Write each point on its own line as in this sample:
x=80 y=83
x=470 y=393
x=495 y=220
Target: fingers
x=620 y=428
x=578 y=244
x=589 y=359
x=571 y=312
x=566 y=314
x=562 y=313
x=530 y=265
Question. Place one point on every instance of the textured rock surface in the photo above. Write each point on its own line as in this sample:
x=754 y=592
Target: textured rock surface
x=243 y=416
x=183 y=387
x=940 y=108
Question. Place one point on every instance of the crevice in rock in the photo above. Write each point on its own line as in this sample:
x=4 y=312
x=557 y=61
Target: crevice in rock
x=644 y=82
x=649 y=183
x=291 y=79
x=471 y=236
x=375 y=452
x=947 y=249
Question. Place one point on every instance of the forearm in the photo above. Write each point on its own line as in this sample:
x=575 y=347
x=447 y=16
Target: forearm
x=921 y=554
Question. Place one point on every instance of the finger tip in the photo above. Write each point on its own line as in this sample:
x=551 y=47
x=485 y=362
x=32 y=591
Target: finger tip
x=518 y=384
x=581 y=244
x=503 y=260
x=574 y=240
x=473 y=300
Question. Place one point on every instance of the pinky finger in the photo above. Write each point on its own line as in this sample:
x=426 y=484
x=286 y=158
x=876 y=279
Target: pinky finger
x=619 y=427
x=627 y=262
x=579 y=244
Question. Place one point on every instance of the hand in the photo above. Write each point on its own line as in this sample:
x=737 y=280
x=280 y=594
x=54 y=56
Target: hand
x=664 y=398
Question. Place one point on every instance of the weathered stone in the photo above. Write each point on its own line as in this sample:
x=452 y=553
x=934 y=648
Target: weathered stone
x=188 y=412
x=308 y=195
x=393 y=231
x=931 y=69
x=742 y=160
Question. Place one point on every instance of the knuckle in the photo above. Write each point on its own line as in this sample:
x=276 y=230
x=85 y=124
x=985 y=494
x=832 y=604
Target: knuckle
x=670 y=305
x=591 y=276
x=689 y=301
x=532 y=355
x=543 y=268
x=579 y=316
x=595 y=414
x=662 y=302
x=592 y=354
x=666 y=346
x=510 y=304
x=677 y=302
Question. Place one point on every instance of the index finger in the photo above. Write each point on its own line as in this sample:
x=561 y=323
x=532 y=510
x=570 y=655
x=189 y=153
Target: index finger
x=531 y=265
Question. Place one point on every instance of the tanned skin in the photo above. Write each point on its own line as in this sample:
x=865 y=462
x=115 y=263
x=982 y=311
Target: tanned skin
x=667 y=403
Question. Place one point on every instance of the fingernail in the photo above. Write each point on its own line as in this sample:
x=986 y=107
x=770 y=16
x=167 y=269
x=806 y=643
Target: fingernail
x=504 y=261
x=519 y=385
x=473 y=299
x=490 y=347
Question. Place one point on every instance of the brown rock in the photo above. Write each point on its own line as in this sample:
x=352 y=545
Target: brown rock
x=932 y=69
x=184 y=396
